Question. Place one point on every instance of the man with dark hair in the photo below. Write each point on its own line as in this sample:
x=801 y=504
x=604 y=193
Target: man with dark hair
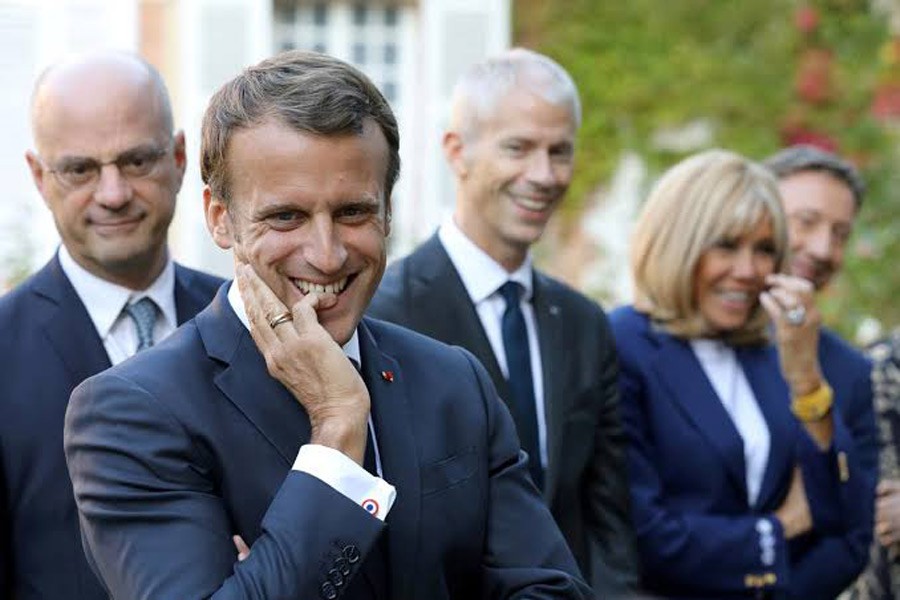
x=358 y=459
x=109 y=166
x=822 y=194
x=549 y=350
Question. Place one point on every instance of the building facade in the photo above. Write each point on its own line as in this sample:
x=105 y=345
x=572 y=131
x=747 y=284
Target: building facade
x=413 y=50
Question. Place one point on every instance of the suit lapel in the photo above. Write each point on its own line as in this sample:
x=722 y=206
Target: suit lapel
x=448 y=313
x=68 y=325
x=394 y=428
x=689 y=389
x=772 y=397
x=549 y=318
x=246 y=382
x=282 y=421
x=189 y=300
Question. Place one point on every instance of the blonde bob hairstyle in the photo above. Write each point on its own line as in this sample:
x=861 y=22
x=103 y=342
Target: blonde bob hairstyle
x=708 y=197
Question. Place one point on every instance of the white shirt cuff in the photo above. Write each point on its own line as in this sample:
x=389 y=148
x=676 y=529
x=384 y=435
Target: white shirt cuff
x=338 y=470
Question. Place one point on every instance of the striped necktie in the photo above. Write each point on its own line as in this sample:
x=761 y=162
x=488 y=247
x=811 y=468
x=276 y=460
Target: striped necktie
x=143 y=313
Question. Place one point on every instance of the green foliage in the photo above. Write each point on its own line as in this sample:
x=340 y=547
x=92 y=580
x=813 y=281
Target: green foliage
x=644 y=65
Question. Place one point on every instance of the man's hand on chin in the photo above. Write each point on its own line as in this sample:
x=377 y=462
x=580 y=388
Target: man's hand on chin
x=303 y=356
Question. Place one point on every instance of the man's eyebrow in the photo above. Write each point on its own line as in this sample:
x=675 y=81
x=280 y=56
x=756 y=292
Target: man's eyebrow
x=144 y=147
x=270 y=209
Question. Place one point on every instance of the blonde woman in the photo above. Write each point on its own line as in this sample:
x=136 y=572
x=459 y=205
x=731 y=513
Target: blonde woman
x=745 y=479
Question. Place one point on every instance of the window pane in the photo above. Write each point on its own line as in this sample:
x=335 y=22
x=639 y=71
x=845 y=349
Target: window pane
x=389 y=89
x=359 y=54
x=360 y=14
x=390 y=54
x=390 y=15
x=284 y=13
x=320 y=13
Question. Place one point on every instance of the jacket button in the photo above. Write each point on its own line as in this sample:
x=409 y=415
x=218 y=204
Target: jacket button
x=351 y=553
x=342 y=565
x=328 y=591
x=335 y=577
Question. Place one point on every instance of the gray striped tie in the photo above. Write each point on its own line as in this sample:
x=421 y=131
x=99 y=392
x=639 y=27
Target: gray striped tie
x=143 y=313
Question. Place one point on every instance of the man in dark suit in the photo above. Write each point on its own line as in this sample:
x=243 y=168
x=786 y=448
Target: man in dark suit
x=109 y=166
x=822 y=194
x=358 y=459
x=511 y=145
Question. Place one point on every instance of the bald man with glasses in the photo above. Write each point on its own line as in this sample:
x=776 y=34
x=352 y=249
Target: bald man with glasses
x=109 y=166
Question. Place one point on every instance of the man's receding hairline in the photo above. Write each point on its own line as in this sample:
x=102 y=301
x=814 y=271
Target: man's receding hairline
x=153 y=81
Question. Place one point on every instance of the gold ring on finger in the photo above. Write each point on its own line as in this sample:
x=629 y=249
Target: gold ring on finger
x=278 y=319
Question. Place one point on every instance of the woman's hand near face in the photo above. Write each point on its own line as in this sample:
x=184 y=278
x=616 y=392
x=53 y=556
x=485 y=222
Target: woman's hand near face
x=797 y=342
x=790 y=302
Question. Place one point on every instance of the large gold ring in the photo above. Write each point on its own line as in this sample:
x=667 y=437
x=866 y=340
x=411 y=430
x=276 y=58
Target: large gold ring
x=277 y=320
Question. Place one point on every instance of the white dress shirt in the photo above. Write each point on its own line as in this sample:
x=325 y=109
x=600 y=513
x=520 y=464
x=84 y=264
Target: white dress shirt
x=724 y=372
x=375 y=495
x=104 y=302
x=482 y=277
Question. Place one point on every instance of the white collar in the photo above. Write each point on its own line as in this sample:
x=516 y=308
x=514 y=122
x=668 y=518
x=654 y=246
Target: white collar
x=105 y=300
x=351 y=348
x=481 y=275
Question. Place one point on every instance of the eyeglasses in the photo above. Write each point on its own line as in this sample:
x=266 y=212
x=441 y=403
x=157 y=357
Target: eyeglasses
x=81 y=172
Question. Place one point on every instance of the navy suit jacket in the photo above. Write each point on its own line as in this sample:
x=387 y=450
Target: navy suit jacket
x=698 y=536
x=49 y=345
x=586 y=487
x=190 y=442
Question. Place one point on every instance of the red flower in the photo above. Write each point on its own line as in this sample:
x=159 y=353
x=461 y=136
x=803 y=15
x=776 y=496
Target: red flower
x=886 y=104
x=806 y=19
x=797 y=136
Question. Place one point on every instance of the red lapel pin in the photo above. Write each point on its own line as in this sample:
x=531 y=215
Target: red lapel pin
x=387 y=376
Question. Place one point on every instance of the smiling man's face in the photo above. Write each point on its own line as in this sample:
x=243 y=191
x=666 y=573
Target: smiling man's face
x=820 y=209
x=309 y=213
x=512 y=173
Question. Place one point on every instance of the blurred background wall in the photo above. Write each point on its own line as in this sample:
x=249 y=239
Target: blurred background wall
x=413 y=50
x=659 y=80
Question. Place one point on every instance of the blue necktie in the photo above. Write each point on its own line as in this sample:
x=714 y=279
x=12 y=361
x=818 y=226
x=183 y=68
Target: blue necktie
x=143 y=313
x=521 y=383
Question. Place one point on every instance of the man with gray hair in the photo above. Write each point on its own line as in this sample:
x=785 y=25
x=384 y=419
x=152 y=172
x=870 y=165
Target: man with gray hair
x=822 y=194
x=510 y=144
x=108 y=164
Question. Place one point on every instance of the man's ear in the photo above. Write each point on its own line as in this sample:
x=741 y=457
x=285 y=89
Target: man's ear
x=388 y=215
x=37 y=170
x=218 y=221
x=454 y=152
x=180 y=155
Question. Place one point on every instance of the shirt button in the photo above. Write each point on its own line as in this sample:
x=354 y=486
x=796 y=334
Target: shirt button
x=336 y=578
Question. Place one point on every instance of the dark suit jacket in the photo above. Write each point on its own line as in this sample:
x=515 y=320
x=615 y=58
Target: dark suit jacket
x=698 y=537
x=586 y=487
x=48 y=346
x=192 y=441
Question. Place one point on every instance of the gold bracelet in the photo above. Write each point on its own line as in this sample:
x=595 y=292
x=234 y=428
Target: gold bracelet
x=814 y=405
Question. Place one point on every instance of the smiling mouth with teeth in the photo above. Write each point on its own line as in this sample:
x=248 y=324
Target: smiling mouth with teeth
x=335 y=287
